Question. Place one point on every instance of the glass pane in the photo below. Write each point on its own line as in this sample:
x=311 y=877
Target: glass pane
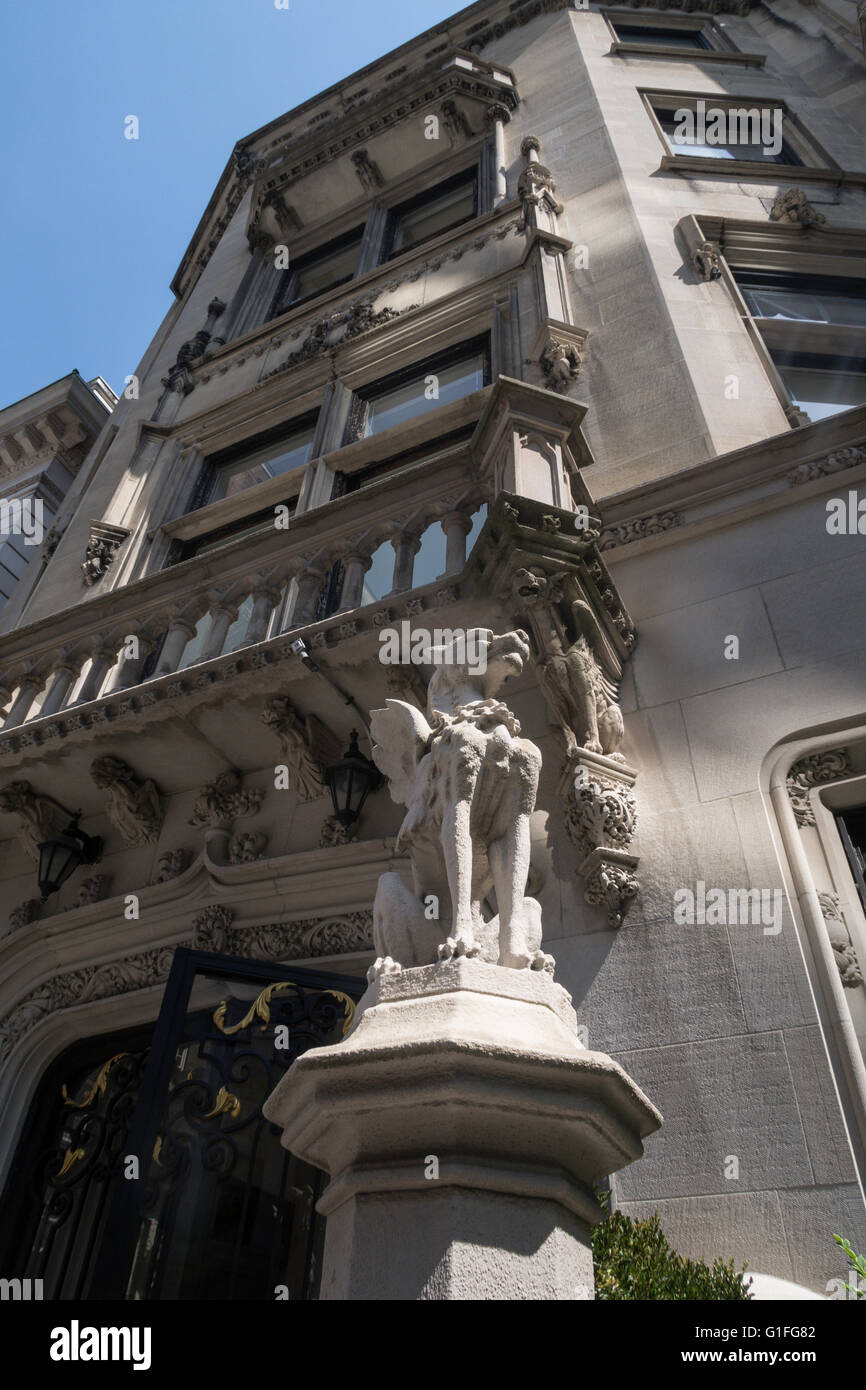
x=824 y=392
x=430 y=560
x=324 y=272
x=732 y=146
x=683 y=38
x=425 y=393
x=825 y=306
x=379 y=579
x=435 y=215
x=261 y=464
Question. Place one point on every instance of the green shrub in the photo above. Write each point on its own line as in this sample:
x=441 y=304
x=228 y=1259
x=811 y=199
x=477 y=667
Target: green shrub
x=633 y=1260
x=858 y=1267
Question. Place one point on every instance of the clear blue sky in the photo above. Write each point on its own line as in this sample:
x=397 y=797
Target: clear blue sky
x=93 y=225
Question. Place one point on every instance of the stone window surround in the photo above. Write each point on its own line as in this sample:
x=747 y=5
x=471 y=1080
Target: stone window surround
x=817 y=163
x=722 y=50
x=801 y=874
x=470 y=318
x=781 y=247
x=373 y=216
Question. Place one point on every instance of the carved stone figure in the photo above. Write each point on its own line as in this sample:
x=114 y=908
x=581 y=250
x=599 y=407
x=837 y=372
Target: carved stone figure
x=580 y=697
x=844 y=953
x=794 y=206
x=41 y=818
x=133 y=802
x=105 y=540
x=705 y=259
x=469 y=781
x=306 y=746
x=561 y=362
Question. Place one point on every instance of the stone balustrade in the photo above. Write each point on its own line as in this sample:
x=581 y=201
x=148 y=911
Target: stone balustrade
x=197 y=611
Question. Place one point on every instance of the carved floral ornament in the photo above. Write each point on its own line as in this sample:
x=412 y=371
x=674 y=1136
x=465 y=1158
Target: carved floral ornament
x=332 y=935
x=813 y=771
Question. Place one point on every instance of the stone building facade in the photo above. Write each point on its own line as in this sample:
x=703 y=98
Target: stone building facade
x=475 y=339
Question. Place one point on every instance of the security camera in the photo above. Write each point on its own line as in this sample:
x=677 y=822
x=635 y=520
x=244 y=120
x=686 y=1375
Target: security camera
x=299 y=647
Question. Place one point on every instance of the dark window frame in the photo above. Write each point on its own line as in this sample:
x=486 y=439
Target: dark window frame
x=282 y=303
x=429 y=195
x=474 y=347
x=202 y=493
x=697 y=31
x=787 y=156
x=851 y=825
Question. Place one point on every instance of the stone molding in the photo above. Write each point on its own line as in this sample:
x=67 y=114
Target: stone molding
x=812 y=771
x=630 y=531
x=836 y=462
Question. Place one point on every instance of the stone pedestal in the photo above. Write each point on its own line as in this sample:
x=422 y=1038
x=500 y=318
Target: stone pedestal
x=463 y=1126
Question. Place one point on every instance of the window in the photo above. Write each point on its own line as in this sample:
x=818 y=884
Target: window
x=257 y=465
x=726 y=132
x=821 y=385
x=419 y=389
x=852 y=828
x=807 y=298
x=318 y=271
x=437 y=210
x=655 y=34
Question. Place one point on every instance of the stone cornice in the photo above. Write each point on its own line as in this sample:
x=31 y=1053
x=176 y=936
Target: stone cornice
x=717 y=492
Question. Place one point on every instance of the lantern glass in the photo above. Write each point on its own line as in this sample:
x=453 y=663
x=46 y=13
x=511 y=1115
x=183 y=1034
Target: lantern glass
x=350 y=782
x=58 y=858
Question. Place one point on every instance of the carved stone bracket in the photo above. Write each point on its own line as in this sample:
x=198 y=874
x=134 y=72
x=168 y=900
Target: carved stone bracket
x=601 y=817
x=706 y=259
x=105 y=541
x=559 y=349
x=813 y=771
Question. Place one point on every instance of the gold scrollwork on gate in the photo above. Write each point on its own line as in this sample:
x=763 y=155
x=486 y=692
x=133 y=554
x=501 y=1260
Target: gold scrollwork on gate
x=98 y=1087
x=260 y=1008
x=225 y=1104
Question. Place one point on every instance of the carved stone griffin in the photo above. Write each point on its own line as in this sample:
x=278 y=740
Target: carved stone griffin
x=469 y=782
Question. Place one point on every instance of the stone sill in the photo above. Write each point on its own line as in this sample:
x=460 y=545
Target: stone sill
x=762 y=172
x=697 y=55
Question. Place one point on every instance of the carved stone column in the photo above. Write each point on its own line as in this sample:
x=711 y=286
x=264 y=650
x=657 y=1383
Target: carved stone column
x=456 y=526
x=355 y=566
x=180 y=630
x=222 y=617
x=28 y=689
x=264 y=600
x=406 y=546
x=64 y=675
x=498 y=117
x=129 y=668
x=463 y=1126
x=310 y=581
x=104 y=658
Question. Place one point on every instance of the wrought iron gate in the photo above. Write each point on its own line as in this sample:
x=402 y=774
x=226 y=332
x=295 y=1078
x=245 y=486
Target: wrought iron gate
x=165 y=1181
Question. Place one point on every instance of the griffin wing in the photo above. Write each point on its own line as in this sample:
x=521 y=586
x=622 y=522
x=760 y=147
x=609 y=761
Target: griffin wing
x=400 y=732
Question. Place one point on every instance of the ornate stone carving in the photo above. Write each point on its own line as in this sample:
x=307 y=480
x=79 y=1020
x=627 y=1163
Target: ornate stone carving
x=105 y=541
x=40 y=817
x=304 y=937
x=581 y=699
x=638 y=529
x=306 y=745
x=468 y=781
x=246 y=848
x=211 y=929
x=140 y=971
x=813 y=771
x=340 y=327
x=455 y=122
x=844 y=953
x=612 y=886
x=134 y=805
x=536 y=183
x=222 y=801
x=92 y=890
x=601 y=808
x=24 y=914
x=334 y=832
x=561 y=362
x=794 y=206
x=368 y=171
x=406 y=683
x=171 y=864
x=706 y=260
x=836 y=462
